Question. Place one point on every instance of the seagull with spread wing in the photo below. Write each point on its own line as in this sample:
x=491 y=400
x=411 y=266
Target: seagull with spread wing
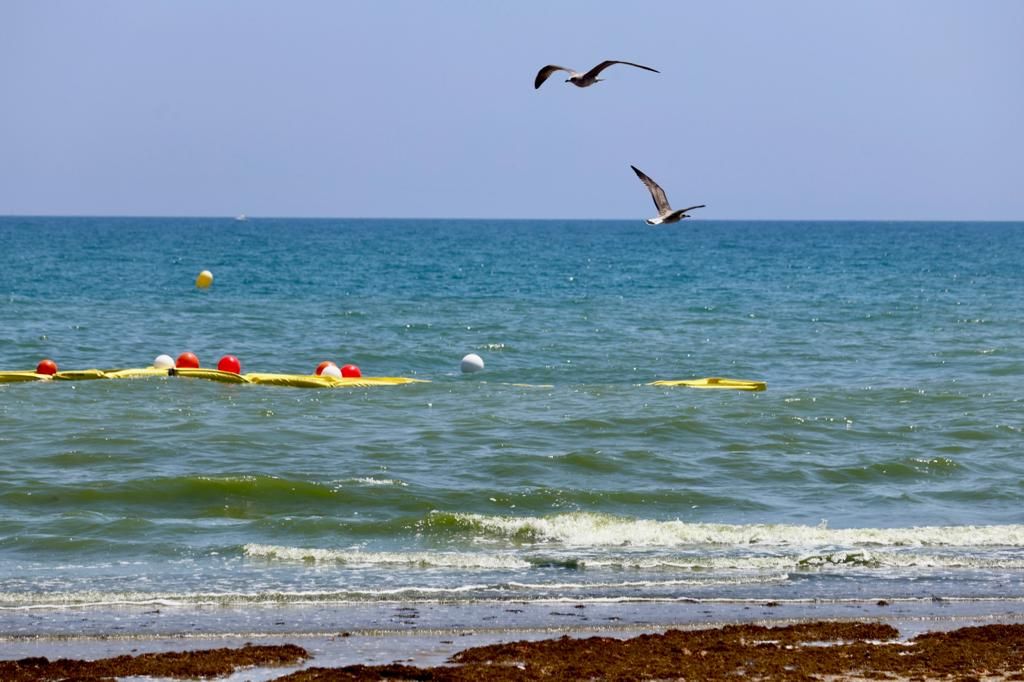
x=665 y=213
x=582 y=80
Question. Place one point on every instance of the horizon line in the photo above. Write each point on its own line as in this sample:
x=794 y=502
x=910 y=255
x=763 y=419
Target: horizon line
x=251 y=218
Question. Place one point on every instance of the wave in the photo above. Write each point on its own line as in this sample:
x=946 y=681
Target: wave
x=751 y=560
x=22 y=601
x=692 y=588
x=586 y=529
x=275 y=491
x=712 y=564
x=422 y=559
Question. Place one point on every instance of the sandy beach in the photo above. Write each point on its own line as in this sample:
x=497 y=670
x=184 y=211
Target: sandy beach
x=817 y=650
x=913 y=640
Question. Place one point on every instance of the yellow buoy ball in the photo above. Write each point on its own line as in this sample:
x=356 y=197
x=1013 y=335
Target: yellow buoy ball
x=204 y=279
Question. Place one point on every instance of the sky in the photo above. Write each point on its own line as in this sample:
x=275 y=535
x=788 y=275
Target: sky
x=790 y=109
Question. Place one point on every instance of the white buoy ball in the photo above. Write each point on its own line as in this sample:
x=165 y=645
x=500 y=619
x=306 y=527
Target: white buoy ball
x=163 y=361
x=331 y=371
x=472 y=363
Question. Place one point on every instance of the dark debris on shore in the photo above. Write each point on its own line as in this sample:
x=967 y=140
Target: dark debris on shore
x=186 y=665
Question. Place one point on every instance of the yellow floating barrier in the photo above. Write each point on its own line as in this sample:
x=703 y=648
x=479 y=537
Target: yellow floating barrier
x=311 y=380
x=80 y=375
x=12 y=376
x=321 y=381
x=136 y=373
x=714 y=382
x=293 y=380
x=211 y=374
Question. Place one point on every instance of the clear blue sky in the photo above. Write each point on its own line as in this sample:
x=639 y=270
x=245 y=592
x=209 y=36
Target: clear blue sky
x=789 y=109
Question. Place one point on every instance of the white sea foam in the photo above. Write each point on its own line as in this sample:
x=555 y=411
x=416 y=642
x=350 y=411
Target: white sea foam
x=350 y=557
x=645 y=585
x=371 y=481
x=600 y=530
x=760 y=560
x=17 y=601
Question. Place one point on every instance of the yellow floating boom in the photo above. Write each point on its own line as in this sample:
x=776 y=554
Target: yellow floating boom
x=308 y=380
x=714 y=382
x=294 y=380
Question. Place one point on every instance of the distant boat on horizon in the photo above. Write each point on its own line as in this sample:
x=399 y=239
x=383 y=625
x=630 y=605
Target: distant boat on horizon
x=241 y=217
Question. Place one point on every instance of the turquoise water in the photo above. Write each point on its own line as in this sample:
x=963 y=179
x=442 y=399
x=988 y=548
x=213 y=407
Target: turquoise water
x=884 y=460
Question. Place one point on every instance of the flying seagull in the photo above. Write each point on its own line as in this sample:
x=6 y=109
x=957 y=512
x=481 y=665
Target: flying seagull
x=665 y=213
x=582 y=80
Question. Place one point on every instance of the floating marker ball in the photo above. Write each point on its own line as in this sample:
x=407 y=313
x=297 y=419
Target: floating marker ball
x=187 y=360
x=46 y=366
x=323 y=365
x=229 y=363
x=163 y=361
x=351 y=372
x=204 y=279
x=331 y=370
x=472 y=363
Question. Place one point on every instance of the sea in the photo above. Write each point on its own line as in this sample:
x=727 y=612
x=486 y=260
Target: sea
x=882 y=467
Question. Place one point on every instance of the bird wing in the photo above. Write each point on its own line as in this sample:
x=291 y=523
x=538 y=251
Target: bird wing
x=543 y=74
x=605 y=64
x=687 y=210
x=657 y=193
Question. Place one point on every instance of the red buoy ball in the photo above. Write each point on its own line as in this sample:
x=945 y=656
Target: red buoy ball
x=323 y=365
x=46 y=366
x=350 y=372
x=188 y=361
x=229 y=363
